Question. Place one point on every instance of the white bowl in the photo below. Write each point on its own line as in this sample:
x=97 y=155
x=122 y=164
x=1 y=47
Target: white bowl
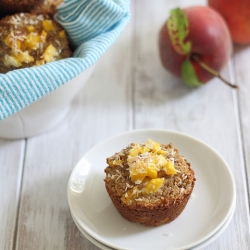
x=45 y=113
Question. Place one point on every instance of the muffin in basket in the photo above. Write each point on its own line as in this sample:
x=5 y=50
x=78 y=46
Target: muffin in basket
x=31 y=40
x=15 y=6
x=149 y=183
x=29 y=6
x=46 y=6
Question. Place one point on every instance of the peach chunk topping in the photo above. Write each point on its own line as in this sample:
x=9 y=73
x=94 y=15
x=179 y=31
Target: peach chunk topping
x=147 y=160
x=153 y=185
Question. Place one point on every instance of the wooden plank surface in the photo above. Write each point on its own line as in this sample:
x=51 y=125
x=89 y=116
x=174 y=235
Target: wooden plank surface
x=11 y=167
x=241 y=75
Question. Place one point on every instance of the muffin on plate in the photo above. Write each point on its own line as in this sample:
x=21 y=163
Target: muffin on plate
x=28 y=40
x=149 y=183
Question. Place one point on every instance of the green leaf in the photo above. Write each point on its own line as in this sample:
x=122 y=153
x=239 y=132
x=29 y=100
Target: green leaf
x=178 y=29
x=188 y=74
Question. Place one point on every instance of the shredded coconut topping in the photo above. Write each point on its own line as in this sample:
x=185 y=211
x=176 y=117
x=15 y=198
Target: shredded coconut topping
x=148 y=172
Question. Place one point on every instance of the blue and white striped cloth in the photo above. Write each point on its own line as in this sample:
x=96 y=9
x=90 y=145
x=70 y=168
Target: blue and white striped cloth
x=92 y=25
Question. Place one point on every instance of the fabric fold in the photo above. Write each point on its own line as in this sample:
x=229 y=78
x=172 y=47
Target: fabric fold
x=92 y=26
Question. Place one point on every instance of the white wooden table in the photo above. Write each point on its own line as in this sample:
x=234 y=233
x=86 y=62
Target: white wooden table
x=128 y=90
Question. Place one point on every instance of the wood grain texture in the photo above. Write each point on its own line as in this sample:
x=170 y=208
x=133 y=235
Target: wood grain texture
x=241 y=75
x=11 y=167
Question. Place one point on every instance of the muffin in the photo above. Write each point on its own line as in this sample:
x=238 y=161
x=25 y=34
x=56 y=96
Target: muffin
x=149 y=183
x=15 y=6
x=46 y=6
x=28 y=40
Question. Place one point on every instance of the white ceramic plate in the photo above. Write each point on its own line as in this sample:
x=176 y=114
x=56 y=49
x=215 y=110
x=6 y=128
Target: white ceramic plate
x=218 y=233
x=207 y=210
x=197 y=247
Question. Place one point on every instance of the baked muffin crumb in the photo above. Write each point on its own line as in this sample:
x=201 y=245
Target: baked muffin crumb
x=46 y=6
x=149 y=183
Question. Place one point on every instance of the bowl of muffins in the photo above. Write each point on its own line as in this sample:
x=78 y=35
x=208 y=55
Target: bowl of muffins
x=30 y=39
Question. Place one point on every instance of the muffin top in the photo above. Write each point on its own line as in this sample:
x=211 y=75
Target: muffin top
x=149 y=173
x=31 y=40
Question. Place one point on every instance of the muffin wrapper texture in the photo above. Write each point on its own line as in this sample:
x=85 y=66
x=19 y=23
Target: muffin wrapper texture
x=92 y=26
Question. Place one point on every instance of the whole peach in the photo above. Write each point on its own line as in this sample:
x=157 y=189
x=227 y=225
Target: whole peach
x=210 y=43
x=237 y=16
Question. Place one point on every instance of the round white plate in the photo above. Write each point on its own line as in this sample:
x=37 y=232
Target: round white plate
x=207 y=210
x=197 y=247
x=218 y=233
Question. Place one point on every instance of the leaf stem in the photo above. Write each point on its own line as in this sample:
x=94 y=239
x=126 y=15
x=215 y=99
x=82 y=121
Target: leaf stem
x=212 y=71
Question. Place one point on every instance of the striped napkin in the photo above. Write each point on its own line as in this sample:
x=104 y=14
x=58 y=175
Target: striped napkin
x=92 y=26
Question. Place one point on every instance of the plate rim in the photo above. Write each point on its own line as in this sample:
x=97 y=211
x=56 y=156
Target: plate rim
x=203 y=244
